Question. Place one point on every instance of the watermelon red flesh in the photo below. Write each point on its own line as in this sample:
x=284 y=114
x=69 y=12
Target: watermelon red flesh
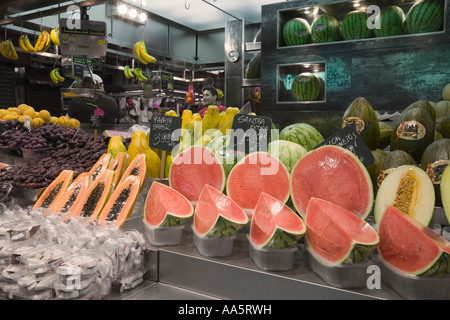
x=194 y=168
x=332 y=231
x=271 y=214
x=162 y=200
x=334 y=174
x=256 y=173
x=212 y=205
x=407 y=244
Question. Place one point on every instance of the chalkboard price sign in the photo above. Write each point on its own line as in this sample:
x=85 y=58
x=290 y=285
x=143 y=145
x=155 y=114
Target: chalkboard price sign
x=250 y=133
x=165 y=132
x=348 y=138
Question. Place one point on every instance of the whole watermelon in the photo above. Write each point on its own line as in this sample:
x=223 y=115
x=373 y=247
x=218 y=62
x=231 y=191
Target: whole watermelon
x=253 y=68
x=287 y=152
x=325 y=28
x=306 y=87
x=391 y=22
x=303 y=134
x=425 y=16
x=296 y=32
x=354 y=26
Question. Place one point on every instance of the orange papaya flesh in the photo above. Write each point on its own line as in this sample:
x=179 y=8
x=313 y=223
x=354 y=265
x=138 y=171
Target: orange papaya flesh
x=121 y=202
x=71 y=195
x=55 y=190
x=100 y=166
x=117 y=165
x=137 y=167
x=94 y=198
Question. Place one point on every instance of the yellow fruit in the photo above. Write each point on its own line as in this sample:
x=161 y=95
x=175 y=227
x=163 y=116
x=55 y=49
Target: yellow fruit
x=10 y=117
x=171 y=113
x=115 y=146
x=54 y=120
x=36 y=123
x=64 y=121
x=3 y=112
x=22 y=118
x=12 y=109
x=138 y=144
x=211 y=118
x=15 y=113
x=74 y=123
x=29 y=112
x=21 y=108
x=45 y=115
x=153 y=162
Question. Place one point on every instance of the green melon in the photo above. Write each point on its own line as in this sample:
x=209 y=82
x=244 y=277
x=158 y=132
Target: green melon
x=393 y=160
x=354 y=26
x=442 y=109
x=216 y=215
x=286 y=151
x=435 y=159
x=337 y=236
x=445 y=191
x=411 y=246
x=306 y=87
x=378 y=156
x=386 y=130
x=325 y=28
x=391 y=21
x=425 y=105
x=361 y=114
x=253 y=68
x=444 y=127
x=296 y=31
x=425 y=16
x=275 y=225
x=408 y=189
x=303 y=134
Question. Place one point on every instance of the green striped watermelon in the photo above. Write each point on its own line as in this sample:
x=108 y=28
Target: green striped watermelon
x=303 y=134
x=325 y=28
x=425 y=16
x=354 y=26
x=287 y=152
x=391 y=21
x=296 y=32
x=306 y=87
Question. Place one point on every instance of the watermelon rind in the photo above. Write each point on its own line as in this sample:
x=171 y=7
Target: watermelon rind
x=325 y=28
x=423 y=209
x=306 y=87
x=354 y=26
x=362 y=212
x=425 y=16
x=303 y=134
x=391 y=20
x=286 y=151
x=296 y=31
x=281 y=237
x=171 y=219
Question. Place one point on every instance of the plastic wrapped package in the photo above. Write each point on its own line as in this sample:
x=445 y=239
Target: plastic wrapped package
x=213 y=247
x=272 y=259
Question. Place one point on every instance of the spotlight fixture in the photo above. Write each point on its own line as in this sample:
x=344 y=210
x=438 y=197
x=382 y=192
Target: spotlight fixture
x=126 y=11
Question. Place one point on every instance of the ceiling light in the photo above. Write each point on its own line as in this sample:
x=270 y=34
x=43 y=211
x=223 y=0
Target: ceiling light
x=143 y=17
x=133 y=13
x=122 y=9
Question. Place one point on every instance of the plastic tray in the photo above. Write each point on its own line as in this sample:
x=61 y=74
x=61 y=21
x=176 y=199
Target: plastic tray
x=163 y=236
x=35 y=153
x=412 y=287
x=213 y=247
x=272 y=259
x=345 y=276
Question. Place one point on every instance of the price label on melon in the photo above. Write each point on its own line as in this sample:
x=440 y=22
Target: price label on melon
x=250 y=133
x=165 y=132
x=349 y=138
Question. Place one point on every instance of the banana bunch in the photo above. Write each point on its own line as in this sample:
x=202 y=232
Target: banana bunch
x=140 y=51
x=55 y=76
x=7 y=50
x=138 y=73
x=54 y=36
x=25 y=44
x=43 y=42
x=128 y=73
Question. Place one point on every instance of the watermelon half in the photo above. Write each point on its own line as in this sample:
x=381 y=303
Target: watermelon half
x=334 y=174
x=216 y=215
x=412 y=247
x=336 y=235
x=256 y=173
x=275 y=225
x=194 y=168
x=166 y=207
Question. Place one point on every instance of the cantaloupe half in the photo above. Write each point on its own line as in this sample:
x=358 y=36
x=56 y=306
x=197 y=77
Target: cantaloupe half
x=408 y=189
x=121 y=202
x=55 y=190
x=70 y=198
x=94 y=198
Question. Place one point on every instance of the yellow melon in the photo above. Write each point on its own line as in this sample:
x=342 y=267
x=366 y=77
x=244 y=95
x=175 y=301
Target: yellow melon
x=45 y=115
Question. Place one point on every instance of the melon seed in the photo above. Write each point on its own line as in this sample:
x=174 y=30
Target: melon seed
x=52 y=195
x=406 y=197
x=135 y=171
x=92 y=200
x=118 y=204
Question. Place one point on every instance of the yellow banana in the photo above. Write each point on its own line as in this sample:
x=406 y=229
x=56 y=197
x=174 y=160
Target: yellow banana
x=41 y=41
x=22 y=45
x=58 y=76
x=53 y=76
x=12 y=50
x=136 y=52
x=48 y=41
x=144 y=54
x=54 y=34
x=3 y=51
x=27 y=43
x=7 y=50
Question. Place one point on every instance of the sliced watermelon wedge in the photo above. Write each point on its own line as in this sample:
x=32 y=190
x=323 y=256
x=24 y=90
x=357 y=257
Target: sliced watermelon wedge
x=334 y=174
x=275 y=225
x=336 y=235
x=166 y=207
x=256 y=173
x=216 y=215
x=194 y=168
x=412 y=247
